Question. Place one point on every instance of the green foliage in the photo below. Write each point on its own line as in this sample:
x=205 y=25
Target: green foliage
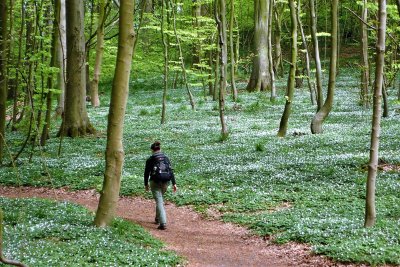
x=47 y=233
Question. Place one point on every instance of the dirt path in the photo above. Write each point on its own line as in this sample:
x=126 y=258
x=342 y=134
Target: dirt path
x=202 y=242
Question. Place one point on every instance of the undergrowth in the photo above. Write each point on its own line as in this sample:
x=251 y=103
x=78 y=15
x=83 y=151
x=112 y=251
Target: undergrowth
x=247 y=177
x=48 y=233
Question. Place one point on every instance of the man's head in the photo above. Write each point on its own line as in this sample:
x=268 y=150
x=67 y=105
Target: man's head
x=156 y=146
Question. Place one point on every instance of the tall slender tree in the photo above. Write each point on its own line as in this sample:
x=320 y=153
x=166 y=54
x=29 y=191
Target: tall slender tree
x=260 y=79
x=220 y=17
x=75 y=120
x=323 y=112
x=3 y=74
x=119 y=96
x=364 y=58
x=370 y=211
x=292 y=74
x=164 y=38
x=94 y=85
x=318 y=68
x=232 y=51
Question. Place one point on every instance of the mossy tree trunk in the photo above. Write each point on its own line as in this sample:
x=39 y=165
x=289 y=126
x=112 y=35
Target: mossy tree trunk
x=370 y=211
x=260 y=79
x=119 y=96
x=220 y=17
x=75 y=120
x=292 y=74
x=323 y=112
x=3 y=75
x=61 y=59
x=270 y=57
x=232 y=51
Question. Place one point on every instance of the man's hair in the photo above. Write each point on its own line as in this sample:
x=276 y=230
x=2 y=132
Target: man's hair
x=155 y=146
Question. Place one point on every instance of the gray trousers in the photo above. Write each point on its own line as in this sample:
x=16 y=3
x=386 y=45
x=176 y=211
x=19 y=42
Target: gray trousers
x=158 y=190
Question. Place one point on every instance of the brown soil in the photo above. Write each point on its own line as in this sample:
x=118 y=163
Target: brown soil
x=202 y=242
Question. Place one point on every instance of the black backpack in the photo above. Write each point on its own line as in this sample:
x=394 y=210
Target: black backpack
x=162 y=171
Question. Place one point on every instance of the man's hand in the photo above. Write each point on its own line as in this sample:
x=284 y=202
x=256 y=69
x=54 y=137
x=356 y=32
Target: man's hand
x=147 y=188
x=175 y=188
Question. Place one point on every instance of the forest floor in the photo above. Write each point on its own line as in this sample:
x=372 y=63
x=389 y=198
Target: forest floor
x=202 y=241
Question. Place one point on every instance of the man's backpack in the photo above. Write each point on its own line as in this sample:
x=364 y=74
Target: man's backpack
x=162 y=171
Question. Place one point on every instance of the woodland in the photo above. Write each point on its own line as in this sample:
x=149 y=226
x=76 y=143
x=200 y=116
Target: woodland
x=279 y=116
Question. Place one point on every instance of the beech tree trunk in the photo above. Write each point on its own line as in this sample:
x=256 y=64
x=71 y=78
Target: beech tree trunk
x=260 y=79
x=220 y=17
x=320 y=116
x=119 y=96
x=75 y=121
x=3 y=75
x=94 y=85
x=370 y=211
x=318 y=68
x=279 y=8
x=292 y=74
x=364 y=50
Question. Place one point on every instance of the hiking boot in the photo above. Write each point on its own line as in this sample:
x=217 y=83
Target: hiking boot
x=162 y=226
x=156 y=221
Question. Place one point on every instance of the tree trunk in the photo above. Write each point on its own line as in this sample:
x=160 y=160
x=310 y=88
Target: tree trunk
x=3 y=76
x=181 y=59
x=370 y=212
x=76 y=121
x=306 y=54
x=54 y=45
x=320 y=116
x=61 y=60
x=260 y=79
x=119 y=95
x=292 y=74
x=314 y=38
x=277 y=38
x=364 y=50
x=220 y=17
x=398 y=6
x=164 y=38
x=270 y=58
x=94 y=88
x=232 y=51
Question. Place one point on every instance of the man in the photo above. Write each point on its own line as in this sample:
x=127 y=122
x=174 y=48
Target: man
x=158 y=167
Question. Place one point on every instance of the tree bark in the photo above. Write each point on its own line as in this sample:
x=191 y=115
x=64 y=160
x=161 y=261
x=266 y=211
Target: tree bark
x=370 y=211
x=220 y=17
x=364 y=50
x=3 y=76
x=322 y=114
x=119 y=95
x=75 y=121
x=398 y=6
x=314 y=38
x=292 y=74
x=279 y=8
x=260 y=79
x=94 y=88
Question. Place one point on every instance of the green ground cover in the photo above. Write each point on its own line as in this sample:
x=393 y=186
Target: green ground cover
x=305 y=188
x=48 y=233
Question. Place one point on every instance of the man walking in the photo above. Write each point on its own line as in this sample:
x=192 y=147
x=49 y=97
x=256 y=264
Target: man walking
x=158 y=168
